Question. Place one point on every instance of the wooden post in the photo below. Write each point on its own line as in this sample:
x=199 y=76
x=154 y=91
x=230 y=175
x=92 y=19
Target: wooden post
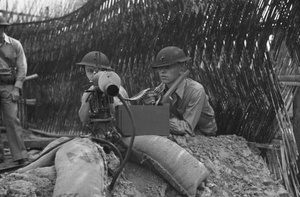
x=289 y=78
x=296 y=121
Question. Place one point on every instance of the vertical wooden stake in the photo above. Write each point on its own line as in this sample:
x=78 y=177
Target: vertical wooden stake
x=296 y=121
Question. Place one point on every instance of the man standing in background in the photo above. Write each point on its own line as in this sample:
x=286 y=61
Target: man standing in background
x=13 y=70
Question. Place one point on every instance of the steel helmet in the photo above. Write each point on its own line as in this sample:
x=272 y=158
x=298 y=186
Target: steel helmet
x=96 y=59
x=168 y=56
x=3 y=21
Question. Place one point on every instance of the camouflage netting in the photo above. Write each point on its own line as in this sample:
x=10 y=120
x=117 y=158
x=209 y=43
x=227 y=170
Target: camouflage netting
x=226 y=39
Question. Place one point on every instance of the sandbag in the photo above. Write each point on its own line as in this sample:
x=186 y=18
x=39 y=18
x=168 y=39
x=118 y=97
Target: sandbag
x=46 y=157
x=81 y=170
x=182 y=170
x=55 y=143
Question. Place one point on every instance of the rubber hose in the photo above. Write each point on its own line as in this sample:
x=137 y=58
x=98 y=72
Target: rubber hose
x=127 y=155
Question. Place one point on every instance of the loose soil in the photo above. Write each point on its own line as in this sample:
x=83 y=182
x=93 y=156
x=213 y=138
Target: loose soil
x=237 y=170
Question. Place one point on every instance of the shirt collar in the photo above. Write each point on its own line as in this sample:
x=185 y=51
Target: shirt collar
x=180 y=89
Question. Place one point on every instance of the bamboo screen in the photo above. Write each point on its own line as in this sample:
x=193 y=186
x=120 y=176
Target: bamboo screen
x=226 y=40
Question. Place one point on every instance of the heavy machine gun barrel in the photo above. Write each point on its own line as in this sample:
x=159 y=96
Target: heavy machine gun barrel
x=108 y=82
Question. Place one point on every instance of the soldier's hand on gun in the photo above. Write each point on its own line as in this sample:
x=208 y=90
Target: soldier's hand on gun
x=150 y=98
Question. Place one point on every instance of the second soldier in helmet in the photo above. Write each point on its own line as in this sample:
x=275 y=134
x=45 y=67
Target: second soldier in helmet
x=94 y=62
x=191 y=112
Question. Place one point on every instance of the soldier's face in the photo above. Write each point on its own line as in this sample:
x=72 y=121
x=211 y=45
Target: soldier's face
x=169 y=74
x=90 y=71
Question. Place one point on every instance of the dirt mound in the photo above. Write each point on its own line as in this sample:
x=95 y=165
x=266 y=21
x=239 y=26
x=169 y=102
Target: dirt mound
x=236 y=170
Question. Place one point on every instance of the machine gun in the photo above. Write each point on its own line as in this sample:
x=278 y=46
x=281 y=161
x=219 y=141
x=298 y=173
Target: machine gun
x=102 y=113
x=101 y=101
x=151 y=120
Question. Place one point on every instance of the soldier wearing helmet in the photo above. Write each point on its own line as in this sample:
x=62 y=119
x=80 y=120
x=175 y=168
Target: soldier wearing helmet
x=13 y=70
x=93 y=62
x=191 y=112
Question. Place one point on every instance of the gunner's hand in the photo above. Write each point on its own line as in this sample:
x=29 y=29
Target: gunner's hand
x=149 y=98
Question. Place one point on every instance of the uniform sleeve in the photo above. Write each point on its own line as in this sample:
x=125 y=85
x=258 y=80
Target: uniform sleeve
x=191 y=116
x=21 y=64
x=85 y=107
